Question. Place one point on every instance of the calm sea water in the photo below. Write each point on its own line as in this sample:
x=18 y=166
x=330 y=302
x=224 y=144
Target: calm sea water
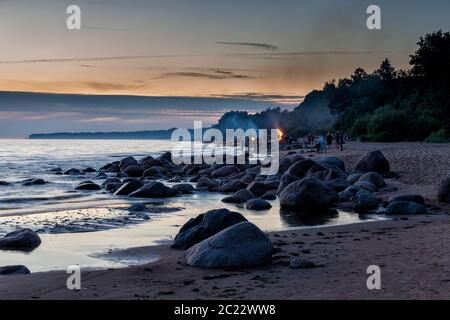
x=63 y=216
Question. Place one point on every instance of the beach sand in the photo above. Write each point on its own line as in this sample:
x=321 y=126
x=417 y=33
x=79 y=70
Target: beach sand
x=412 y=252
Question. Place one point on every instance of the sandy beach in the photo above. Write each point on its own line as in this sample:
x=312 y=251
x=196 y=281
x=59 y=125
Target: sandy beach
x=412 y=253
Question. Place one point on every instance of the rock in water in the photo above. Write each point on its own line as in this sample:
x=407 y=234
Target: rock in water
x=405 y=207
x=444 y=190
x=7 y=270
x=184 y=188
x=134 y=171
x=417 y=198
x=242 y=245
x=373 y=161
x=225 y=171
x=308 y=195
x=257 y=204
x=205 y=226
x=240 y=196
x=88 y=185
x=20 y=240
x=128 y=188
x=257 y=188
x=154 y=189
x=206 y=183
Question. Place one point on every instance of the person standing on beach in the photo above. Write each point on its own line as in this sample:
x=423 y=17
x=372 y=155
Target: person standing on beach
x=329 y=139
x=341 y=141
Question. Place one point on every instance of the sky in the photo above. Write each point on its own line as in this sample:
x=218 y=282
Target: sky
x=232 y=54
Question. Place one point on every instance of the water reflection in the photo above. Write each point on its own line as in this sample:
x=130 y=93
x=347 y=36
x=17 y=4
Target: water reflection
x=298 y=219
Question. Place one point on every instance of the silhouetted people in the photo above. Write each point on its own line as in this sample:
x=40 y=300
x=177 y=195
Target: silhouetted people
x=329 y=139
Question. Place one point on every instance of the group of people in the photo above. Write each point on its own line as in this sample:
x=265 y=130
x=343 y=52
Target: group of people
x=322 y=143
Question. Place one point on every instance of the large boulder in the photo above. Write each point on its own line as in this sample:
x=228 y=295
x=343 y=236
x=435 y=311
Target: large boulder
x=135 y=171
x=373 y=178
x=240 y=196
x=405 y=207
x=242 y=245
x=373 y=161
x=205 y=226
x=338 y=184
x=300 y=168
x=20 y=240
x=444 y=190
x=308 y=195
x=284 y=165
x=154 y=189
x=331 y=162
x=128 y=188
x=10 y=270
x=417 y=198
x=155 y=171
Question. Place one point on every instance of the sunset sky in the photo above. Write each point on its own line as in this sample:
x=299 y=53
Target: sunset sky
x=256 y=50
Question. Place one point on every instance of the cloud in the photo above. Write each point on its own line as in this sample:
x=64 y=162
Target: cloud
x=264 y=46
x=218 y=75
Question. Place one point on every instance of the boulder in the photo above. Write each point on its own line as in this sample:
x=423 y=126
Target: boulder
x=8 y=270
x=184 y=188
x=272 y=182
x=285 y=181
x=72 y=172
x=365 y=201
x=155 y=171
x=405 y=207
x=269 y=197
x=417 y=198
x=331 y=162
x=373 y=178
x=444 y=190
x=205 y=226
x=257 y=188
x=128 y=161
x=111 y=180
x=308 y=195
x=166 y=157
x=112 y=187
x=20 y=240
x=134 y=171
x=354 y=177
x=284 y=165
x=338 y=184
x=300 y=168
x=88 y=185
x=144 y=160
x=232 y=185
x=137 y=207
x=128 y=188
x=32 y=182
x=296 y=157
x=4 y=183
x=225 y=171
x=257 y=204
x=154 y=189
x=89 y=170
x=153 y=163
x=206 y=183
x=240 y=196
x=373 y=161
x=366 y=186
x=242 y=245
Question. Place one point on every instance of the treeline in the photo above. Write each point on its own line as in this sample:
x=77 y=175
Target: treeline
x=385 y=105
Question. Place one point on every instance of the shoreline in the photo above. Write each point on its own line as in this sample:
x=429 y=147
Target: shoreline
x=343 y=253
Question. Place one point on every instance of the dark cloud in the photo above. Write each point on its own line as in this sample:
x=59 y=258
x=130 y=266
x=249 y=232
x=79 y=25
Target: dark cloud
x=264 y=46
